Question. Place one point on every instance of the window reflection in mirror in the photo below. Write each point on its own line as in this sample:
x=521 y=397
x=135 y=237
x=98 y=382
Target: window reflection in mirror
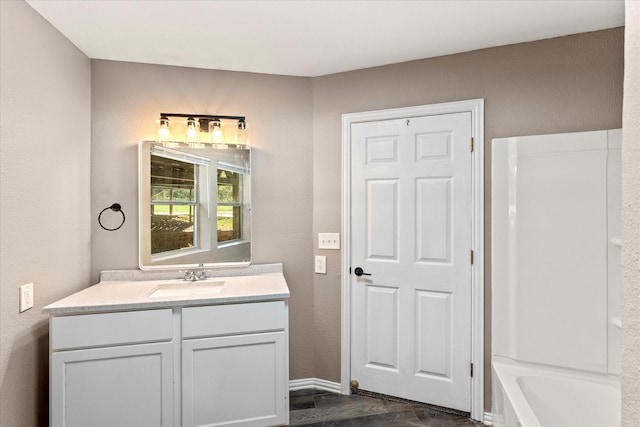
x=174 y=202
x=229 y=206
x=195 y=206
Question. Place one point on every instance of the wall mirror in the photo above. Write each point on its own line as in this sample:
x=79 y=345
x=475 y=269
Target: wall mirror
x=195 y=205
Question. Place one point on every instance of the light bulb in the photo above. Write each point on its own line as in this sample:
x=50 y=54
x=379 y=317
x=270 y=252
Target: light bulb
x=164 y=134
x=242 y=135
x=192 y=134
x=217 y=137
x=216 y=131
x=192 y=130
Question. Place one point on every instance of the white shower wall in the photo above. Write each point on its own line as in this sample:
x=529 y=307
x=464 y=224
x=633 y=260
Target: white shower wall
x=556 y=219
x=614 y=246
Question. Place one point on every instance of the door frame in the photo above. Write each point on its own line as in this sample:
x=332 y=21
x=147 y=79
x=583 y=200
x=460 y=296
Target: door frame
x=476 y=108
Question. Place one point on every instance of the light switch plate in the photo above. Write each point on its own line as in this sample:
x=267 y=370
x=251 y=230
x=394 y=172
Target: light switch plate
x=26 y=297
x=328 y=240
x=321 y=264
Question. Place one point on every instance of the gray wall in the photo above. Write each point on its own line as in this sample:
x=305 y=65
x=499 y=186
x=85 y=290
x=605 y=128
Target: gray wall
x=127 y=99
x=631 y=220
x=558 y=85
x=45 y=140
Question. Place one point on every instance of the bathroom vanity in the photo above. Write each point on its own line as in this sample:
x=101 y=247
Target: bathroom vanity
x=165 y=352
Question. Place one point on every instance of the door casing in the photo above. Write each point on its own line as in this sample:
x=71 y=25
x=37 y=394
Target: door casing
x=476 y=108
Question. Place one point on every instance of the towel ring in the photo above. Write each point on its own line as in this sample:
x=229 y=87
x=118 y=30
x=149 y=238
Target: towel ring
x=116 y=208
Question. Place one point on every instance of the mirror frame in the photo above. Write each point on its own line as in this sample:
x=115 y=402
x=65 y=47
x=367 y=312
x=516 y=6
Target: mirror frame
x=238 y=252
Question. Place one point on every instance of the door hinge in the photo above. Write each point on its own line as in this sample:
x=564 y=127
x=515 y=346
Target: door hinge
x=472 y=144
x=471 y=371
x=472 y=257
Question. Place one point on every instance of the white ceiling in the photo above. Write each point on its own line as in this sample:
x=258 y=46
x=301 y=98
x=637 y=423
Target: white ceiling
x=312 y=38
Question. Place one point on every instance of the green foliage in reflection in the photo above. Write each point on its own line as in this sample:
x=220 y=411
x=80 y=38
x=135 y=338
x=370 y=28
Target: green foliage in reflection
x=225 y=223
x=172 y=194
x=225 y=194
x=166 y=210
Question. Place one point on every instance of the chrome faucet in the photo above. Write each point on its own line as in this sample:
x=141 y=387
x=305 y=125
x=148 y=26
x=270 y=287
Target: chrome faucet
x=193 y=275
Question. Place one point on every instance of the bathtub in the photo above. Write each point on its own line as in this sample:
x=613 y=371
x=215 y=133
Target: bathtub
x=529 y=395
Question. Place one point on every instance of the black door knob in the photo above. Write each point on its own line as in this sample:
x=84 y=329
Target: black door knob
x=360 y=272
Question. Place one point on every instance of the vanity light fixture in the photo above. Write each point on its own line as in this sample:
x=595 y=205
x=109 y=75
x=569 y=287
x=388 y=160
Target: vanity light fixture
x=201 y=129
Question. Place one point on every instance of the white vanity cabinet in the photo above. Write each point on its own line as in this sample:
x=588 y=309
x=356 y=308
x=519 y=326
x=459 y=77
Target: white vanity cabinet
x=234 y=365
x=207 y=365
x=112 y=369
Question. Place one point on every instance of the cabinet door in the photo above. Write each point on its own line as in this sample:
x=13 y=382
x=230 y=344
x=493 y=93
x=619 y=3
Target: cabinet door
x=115 y=386
x=234 y=380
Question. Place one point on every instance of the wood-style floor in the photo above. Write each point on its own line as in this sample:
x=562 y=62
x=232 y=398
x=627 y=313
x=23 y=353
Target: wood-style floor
x=316 y=408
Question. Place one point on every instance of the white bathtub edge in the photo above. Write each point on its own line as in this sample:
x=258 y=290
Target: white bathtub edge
x=506 y=371
x=487 y=419
x=512 y=380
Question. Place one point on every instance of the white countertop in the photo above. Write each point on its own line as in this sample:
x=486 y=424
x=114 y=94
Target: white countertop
x=134 y=295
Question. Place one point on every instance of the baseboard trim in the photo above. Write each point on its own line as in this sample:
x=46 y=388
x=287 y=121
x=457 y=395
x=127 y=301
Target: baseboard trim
x=487 y=419
x=316 y=383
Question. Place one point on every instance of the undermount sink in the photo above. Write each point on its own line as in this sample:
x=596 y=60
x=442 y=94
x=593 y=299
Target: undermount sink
x=187 y=289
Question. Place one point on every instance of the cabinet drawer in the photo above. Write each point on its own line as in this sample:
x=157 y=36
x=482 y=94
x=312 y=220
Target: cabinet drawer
x=233 y=319
x=107 y=329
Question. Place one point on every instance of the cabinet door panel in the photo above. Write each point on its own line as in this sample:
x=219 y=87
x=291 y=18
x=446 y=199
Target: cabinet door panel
x=115 y=386
x=235 y=380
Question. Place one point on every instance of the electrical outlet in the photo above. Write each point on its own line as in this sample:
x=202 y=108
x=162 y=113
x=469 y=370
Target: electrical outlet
x=321 y=264
x=26 y=297
x=328 y=240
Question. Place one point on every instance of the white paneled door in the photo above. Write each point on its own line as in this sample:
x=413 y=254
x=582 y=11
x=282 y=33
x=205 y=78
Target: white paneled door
x=411 y=258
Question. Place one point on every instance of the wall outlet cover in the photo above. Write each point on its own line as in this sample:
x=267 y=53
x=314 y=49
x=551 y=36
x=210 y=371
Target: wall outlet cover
x=321 y=264
x=26 y=297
